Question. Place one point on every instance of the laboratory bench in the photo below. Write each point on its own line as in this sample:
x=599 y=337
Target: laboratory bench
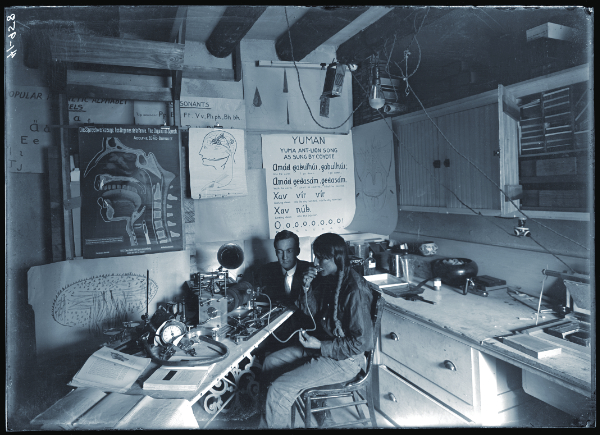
x=445 y=364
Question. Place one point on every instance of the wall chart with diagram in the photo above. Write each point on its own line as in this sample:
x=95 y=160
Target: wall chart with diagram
x=130 y=190
x=75 y=301
x=310 y=182
x=217 y=161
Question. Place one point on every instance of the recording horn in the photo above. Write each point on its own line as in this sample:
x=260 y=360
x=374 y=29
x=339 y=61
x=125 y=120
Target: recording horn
x=230 y=256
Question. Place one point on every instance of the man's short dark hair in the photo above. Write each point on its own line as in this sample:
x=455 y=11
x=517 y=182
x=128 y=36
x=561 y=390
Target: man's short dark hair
x=285 y=234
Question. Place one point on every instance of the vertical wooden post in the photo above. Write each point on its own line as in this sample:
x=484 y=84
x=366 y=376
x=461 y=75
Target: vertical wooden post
x=66 y=173
x=63 y=245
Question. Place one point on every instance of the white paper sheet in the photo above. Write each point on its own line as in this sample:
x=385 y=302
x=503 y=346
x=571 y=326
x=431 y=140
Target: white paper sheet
x=310 y=182
x=375 y=178
x=27 y=131
x=74 y=301
x=199 y=112
x=240 y=217
x=217 y=159
x=100 y=111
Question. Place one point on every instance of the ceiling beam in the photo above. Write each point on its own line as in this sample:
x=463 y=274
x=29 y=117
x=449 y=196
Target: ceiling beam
x=116 y=51
x=231 y=28
x=313 y=29
x=400 y=22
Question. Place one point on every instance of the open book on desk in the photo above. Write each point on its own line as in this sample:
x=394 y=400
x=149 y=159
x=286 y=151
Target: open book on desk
x=122 y=411
x=110 y=370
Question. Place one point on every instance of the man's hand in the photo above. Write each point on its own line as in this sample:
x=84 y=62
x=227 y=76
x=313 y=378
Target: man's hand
x=309 y=341
x=309 y=275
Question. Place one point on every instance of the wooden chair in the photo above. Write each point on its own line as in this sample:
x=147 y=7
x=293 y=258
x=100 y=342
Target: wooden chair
x=360 y=389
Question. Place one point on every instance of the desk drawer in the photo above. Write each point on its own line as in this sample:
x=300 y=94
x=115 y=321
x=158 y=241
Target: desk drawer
x=407 y=406
x=434 y=357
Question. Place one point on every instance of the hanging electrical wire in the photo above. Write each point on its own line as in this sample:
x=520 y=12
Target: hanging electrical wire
x=300 y=85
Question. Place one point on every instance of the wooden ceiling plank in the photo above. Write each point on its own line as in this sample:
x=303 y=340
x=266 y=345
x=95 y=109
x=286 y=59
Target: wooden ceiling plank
x=400 y=21
x=116 y=51
x=231 y=29
x=313 y=29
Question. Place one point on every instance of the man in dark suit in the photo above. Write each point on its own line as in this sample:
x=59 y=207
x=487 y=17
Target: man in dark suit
x=282 y=280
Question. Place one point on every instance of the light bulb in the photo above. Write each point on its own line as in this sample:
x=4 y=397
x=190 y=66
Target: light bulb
x=376 y=98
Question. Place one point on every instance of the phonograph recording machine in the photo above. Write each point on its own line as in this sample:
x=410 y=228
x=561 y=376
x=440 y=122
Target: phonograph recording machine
x=215 y=311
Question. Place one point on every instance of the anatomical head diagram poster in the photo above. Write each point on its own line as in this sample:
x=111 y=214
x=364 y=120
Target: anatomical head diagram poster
x=217 y=163
x=130 y=190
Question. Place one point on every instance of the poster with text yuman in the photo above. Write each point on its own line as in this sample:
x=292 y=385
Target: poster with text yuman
x=310 y=182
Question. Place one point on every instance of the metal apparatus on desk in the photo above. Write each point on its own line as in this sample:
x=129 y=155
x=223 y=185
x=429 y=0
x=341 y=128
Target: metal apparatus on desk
x=209 y=290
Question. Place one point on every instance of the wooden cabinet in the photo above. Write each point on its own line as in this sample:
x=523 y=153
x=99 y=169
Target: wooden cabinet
x=494 y=135
x=460 y=152
x=429 y=378
x=409 y=406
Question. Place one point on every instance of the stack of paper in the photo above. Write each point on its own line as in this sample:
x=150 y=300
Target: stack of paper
x=110 y=370
x=177 y=378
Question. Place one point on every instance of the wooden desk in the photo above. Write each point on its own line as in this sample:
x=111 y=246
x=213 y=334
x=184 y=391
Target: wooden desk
x=224 y=380
x=479 y=322
x=485 y=387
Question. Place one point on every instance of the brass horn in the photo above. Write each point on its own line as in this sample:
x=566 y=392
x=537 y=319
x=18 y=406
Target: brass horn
x=230 y=256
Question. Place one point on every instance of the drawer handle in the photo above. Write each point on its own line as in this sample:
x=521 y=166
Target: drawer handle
x=394 y=336
x=393 y=398
x=449 y=365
